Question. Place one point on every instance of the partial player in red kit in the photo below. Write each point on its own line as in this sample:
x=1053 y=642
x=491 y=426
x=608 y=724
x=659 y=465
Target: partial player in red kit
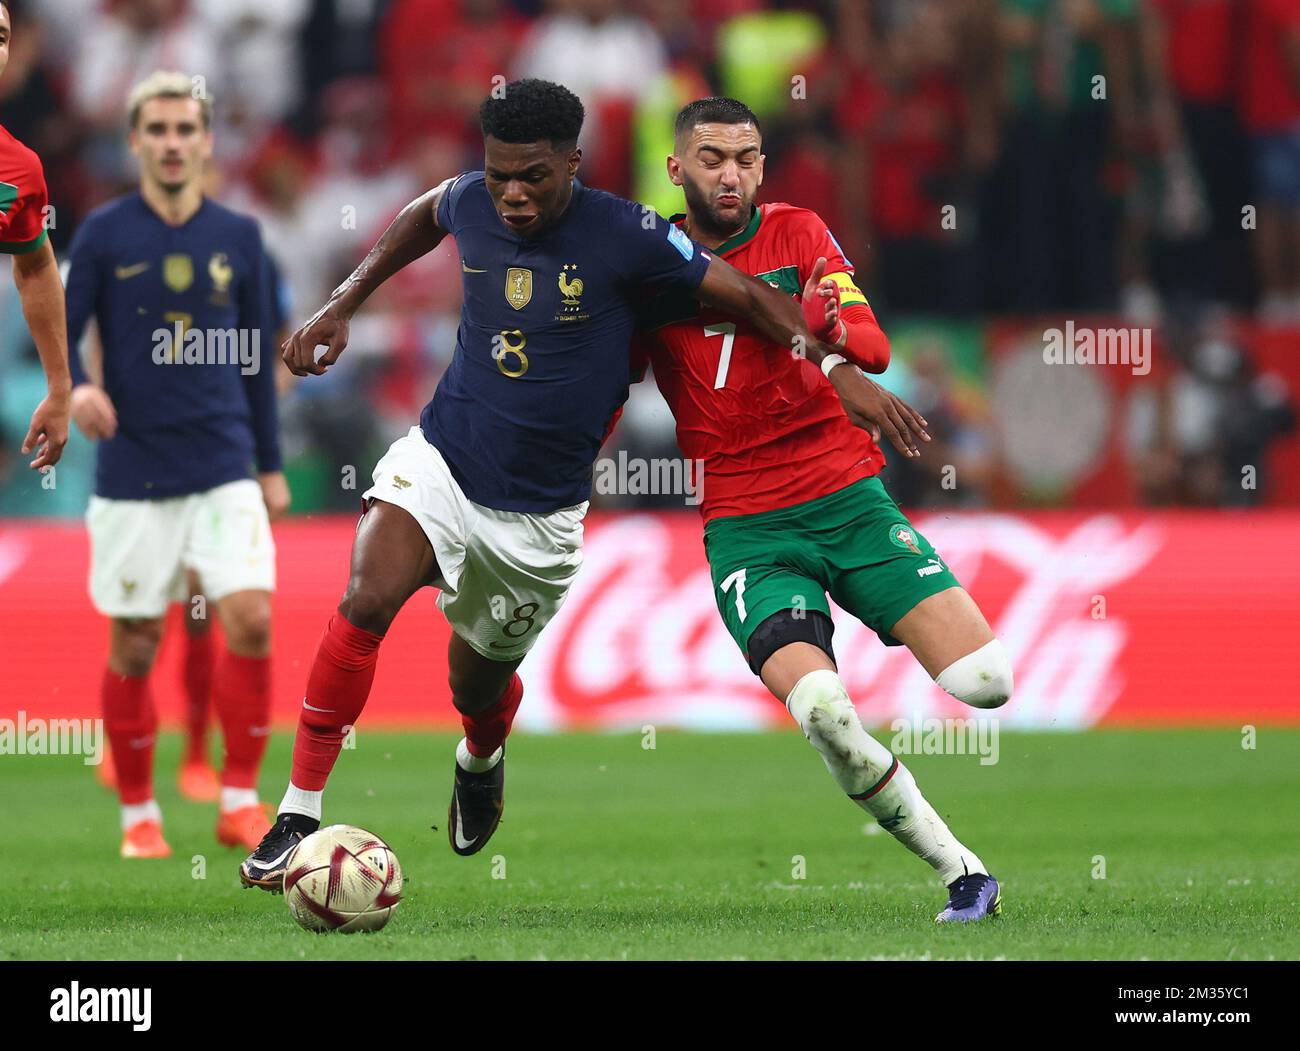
x=196 y=778
x=792 y=504
x=767 y=427
x=24 y=210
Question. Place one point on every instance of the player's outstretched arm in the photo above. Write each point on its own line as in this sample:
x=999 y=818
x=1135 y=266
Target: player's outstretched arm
x=414 y=233
x=36 y=276
x=783 y=321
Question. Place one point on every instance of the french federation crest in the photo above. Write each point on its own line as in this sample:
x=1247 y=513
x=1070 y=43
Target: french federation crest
x=221 y=272
x=519 y=287
x=178 y=272
x=904 y=537
x=571 y=288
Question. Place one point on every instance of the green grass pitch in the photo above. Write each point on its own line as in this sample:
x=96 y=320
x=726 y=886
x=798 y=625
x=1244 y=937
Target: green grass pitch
x=611 y=850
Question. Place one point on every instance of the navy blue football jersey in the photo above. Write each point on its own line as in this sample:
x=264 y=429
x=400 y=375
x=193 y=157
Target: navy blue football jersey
x=541 y=362
x=186 y=422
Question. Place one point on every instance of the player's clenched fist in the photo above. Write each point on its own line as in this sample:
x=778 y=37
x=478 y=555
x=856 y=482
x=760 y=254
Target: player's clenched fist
x=329 y=328
x=93 y=412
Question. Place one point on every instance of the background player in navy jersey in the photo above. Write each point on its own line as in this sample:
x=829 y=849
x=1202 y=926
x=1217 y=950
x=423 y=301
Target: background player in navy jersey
x=485 y=498
x=180 y=291
x=23 y=235
x=196 y=778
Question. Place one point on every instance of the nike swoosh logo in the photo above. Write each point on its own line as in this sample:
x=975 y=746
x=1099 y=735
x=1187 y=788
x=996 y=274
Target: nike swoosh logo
x=259 y=731
x=270 y=864
x=142 y=742
x=125 y=272
x=313 y=708
x=461 y=841
x=466 y=268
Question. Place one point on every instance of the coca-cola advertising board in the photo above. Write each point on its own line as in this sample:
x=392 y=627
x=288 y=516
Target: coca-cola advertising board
x=1110 y=618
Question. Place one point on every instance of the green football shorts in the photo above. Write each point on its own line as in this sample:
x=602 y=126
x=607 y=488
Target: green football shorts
x=854 y=544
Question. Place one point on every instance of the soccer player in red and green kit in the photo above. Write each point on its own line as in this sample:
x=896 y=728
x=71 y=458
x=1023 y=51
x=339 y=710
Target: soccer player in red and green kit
x=23 y=235
x=792 y=504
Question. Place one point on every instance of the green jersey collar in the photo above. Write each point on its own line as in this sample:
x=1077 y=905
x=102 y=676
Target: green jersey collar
x=736 y=240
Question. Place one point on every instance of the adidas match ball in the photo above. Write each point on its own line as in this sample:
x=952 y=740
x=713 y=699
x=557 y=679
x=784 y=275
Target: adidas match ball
x=342 y=878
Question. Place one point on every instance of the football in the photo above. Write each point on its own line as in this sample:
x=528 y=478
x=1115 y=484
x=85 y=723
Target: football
x=342 y=878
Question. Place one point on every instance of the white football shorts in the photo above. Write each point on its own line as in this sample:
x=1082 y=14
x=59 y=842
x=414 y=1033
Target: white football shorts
x=504 y=574
x=140 y=549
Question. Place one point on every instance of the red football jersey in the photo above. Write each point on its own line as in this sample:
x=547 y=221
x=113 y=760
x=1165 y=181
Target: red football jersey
x=22 y=197
x=767 y=426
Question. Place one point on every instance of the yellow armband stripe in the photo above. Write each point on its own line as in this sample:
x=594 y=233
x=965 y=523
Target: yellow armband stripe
x=849 y=292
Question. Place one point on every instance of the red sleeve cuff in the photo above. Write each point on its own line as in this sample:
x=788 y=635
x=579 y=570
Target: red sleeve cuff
x=864 y=342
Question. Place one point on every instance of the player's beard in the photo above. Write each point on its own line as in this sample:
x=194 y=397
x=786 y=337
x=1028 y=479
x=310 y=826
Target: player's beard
x=707 y=219
x=173 y=183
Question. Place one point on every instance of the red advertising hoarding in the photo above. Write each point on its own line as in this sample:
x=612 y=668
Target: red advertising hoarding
x=1124 y=618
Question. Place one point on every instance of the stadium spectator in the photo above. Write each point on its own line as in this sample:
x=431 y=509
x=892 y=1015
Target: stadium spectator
x=877 y=114
x=1055 y=217
x=907 y=109
x=438 y=58
x=259 y=42
x=340 y=39
x=1270 y=103
x=122 y=45
x=958 y=468
x=1203 y=438
x=1191 y=63
x=610 y=59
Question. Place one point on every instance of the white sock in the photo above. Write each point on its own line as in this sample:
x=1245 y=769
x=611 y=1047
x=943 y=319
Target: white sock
x=921 y=829
x=300 y=801
x=133 y=813
x=473 y=764
x=237 y=798
x=872 y=776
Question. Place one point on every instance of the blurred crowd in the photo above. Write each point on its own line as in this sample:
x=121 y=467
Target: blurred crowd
x=1136 y=158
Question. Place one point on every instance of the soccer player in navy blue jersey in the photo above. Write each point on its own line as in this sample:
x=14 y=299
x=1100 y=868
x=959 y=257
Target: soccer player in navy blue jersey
x=485 y=498
x=196 y=778
x=179 y=288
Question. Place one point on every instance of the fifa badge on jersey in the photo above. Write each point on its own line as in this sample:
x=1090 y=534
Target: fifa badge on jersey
x=904 y=537
x=222 y=273
x=571 y=291
x=178 y=272
x=519 y=287
x=681 y=242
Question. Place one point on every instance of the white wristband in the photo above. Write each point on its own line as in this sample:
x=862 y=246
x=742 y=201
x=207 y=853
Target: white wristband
x=830 y=361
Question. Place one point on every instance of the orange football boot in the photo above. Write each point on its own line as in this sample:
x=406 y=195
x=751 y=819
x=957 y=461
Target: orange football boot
x=144 y=839
x=198 y=781
x=106 y=772
x=244 y=827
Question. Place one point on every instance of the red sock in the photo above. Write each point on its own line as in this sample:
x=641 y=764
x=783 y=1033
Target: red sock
x=132 y=724
x=487 y=731
x=196 y=675
x=241 y=693
x=339 y=683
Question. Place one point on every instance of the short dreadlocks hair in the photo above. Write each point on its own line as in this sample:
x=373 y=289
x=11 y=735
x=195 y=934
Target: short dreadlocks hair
x=716 y=109
x=533 y=110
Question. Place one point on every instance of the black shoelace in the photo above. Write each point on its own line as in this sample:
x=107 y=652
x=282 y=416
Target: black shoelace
x=276 y=833
x=967 y=892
